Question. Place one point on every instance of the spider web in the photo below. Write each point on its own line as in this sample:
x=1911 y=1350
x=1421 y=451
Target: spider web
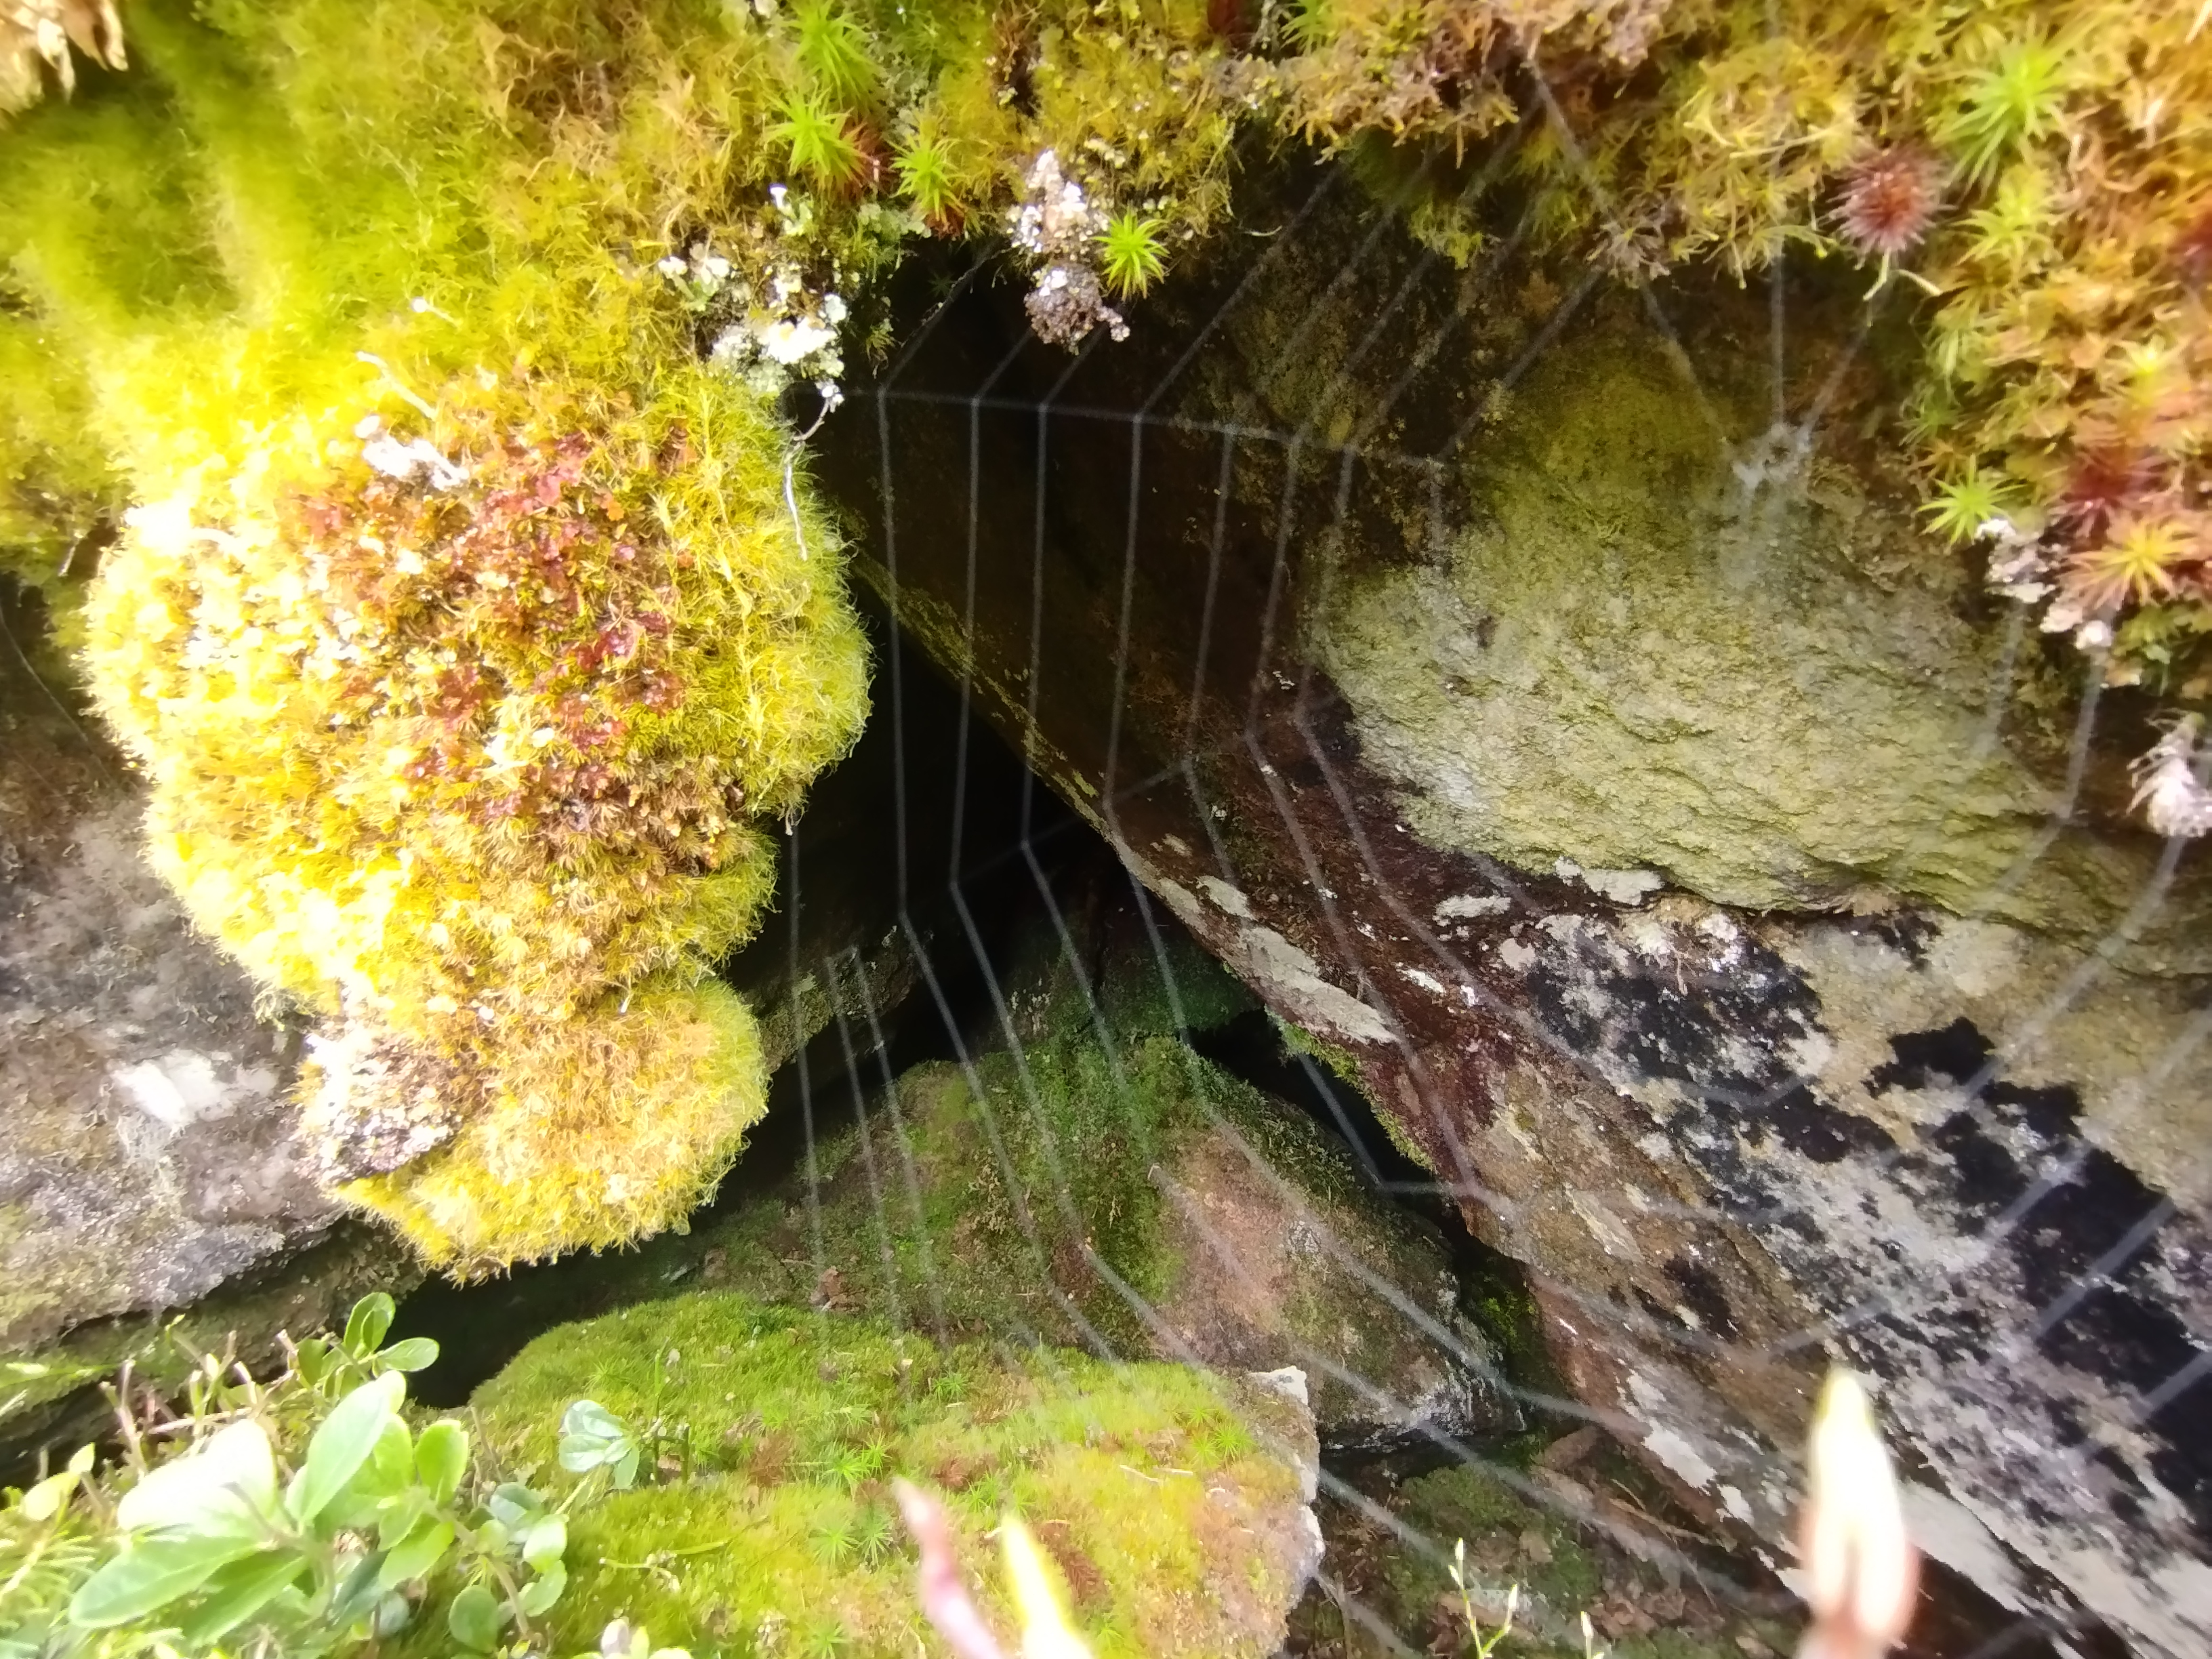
x=981 y=412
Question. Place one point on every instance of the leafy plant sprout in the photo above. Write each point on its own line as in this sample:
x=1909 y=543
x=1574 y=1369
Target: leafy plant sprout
x=1484 y=1645
x=302 y=1516
x=2008 y=106
x=1131 y=253
x=834 y=50
x=1968 y=503
x=923 y=164
x=819 y=144
x=2139 y=564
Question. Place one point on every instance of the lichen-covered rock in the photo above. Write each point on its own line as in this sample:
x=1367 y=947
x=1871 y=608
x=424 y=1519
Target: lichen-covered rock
x=1456 y=619
x=1096 y=1180
x=1643 y=648
x=1172 y=1502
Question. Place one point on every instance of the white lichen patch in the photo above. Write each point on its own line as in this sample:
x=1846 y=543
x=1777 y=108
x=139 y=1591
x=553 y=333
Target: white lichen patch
x=1470 y=906
x=186 y=1086
x=1058 y=226
x=1228 y=897
x=1947 y=1530
x=1628 y=887
x=1290 y=979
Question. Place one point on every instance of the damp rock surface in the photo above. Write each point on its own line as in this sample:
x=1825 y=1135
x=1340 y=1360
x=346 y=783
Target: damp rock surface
x=150 y=1152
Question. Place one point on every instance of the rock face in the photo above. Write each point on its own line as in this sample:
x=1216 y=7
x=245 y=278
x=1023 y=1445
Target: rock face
x=1090 y=1179
x=1174 y=1505
x=1537 y=695
x=147 y=1154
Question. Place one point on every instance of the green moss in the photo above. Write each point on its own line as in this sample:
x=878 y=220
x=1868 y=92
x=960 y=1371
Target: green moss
x=911 y=1216
x=798 y=1425
x=1344 y=1068
x=462 y=626
x=1607 y=526
x=460 y=221
x=1178 y=989
x=919 y=1219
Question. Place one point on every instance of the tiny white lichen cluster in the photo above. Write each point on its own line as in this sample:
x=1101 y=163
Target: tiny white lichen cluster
x=2020 y=569
x=784 y=333
x=2171 y=786
x=1057 y=226
x=2171 y=790
x=371 y=1111
x=415 y=458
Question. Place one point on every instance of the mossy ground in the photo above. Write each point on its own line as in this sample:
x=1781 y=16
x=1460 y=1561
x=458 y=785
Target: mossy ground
x=973 y=1198
x=1145 y=1484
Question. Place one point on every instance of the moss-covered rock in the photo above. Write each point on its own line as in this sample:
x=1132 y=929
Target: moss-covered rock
x=1171 y=1501
x=1399 y=533
x=1103 y=1182
x=1656 y=651
x=466 y=622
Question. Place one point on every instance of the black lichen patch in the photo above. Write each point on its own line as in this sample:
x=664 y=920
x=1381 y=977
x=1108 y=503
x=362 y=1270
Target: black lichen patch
x=1808 y=1125
x=1703 y=1296
x=1956 y=1054
x=1726 y=1032
x=1906 y=932
x=2183 y=1462
x=2083 y=1235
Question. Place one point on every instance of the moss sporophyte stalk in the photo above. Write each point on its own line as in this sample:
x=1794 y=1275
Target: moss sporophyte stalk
x=471 y=617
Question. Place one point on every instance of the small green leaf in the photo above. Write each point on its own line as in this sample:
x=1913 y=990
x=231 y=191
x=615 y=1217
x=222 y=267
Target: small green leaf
x=441 y=1458
x=150 y=1574
x=474 y=1618
x=222 y=1489
x=239 y=1592
x=45 y=1501
x=626 y=1469
x=591 y=1438
x=389 y=1473
x=588 y=1416
x=366 y=1325
x=356 y=1593
x=392 y=1615
x=343 y=1444
x=311 y=1359
x=411 y=1355
x=400 y=1514
x=513 y=1503
x=543 y=1543
x=417 y=1555
x=539 y=1595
